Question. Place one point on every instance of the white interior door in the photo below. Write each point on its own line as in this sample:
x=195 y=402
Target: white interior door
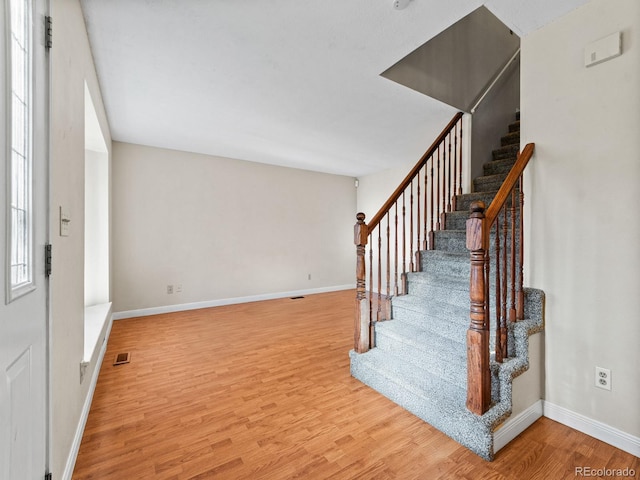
x=23 y=233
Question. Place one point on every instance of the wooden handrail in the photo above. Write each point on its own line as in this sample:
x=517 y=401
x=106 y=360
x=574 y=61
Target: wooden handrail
x=377 y=218
x=497 y=77
x=479 y=227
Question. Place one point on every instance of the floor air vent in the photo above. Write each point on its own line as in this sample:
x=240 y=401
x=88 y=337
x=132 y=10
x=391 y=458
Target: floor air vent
x=122 y=358
x=296 y=298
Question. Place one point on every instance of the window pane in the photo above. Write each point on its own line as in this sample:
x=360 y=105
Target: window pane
x=21 y=216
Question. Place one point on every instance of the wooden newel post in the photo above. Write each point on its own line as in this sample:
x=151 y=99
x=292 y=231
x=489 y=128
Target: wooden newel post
x=478 y=372
x=362 y=319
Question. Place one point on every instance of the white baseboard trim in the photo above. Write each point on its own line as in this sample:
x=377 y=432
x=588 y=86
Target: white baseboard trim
x=143 y=312
x=516 y=425
x=601 y=431
x=82 y=422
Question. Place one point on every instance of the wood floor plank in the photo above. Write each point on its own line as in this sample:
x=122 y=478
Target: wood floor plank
x=263 y=391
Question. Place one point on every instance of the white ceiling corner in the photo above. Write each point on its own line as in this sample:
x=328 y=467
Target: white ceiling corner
x=525 y=16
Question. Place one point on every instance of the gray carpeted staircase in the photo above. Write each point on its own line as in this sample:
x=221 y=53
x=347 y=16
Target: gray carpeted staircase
x=420 y=359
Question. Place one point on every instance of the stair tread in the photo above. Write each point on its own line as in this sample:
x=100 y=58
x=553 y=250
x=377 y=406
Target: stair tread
x=477 y=194
x=420 y=381
x=496 y=177
x=417 y=304
x=438 y=279
x=424 y=340
x=500 y=161
x=445 y=255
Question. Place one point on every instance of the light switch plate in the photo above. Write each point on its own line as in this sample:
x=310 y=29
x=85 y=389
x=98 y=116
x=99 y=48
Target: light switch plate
x=65 y=220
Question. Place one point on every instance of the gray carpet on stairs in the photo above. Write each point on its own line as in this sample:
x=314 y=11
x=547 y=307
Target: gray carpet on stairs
x=419 y=360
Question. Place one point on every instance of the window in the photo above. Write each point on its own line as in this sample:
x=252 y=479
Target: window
x=97 y=311
x=20 y=151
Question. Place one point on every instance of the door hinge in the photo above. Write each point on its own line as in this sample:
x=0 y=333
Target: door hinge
x=47 y=259
x=48 y=476
x=48 y=32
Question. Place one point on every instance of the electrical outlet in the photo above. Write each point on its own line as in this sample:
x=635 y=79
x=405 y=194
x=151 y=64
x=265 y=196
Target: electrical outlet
x=179 y=288
x=169 y=289
x=603 y=378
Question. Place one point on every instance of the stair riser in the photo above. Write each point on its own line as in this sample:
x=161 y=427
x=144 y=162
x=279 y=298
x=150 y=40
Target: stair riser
x=514 y=127
x=432 y=309
x=482 y=185
x=455 y=330
x=451 y=241
x=498 y=167
x=513 y=138
x=453 y=267
x=456 y=220
x=443 y=294
x=452 y=370
x=510 y=151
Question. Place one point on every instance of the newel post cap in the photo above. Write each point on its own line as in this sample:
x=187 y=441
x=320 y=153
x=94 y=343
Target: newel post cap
x=474 y=225
x=477 y=208
x=360 y=230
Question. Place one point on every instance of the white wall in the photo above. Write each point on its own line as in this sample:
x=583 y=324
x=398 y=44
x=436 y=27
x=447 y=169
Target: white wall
x=582 y=189
x=224 y=228
x=71 y=66
x=375 y=189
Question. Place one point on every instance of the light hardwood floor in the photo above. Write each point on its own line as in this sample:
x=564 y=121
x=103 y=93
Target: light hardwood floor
x=262 y=391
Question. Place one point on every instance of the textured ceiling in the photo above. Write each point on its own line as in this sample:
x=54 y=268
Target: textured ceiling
x=286 y=82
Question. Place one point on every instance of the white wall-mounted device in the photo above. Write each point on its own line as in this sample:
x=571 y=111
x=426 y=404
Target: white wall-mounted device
x=400 y=4
x=603 y=49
